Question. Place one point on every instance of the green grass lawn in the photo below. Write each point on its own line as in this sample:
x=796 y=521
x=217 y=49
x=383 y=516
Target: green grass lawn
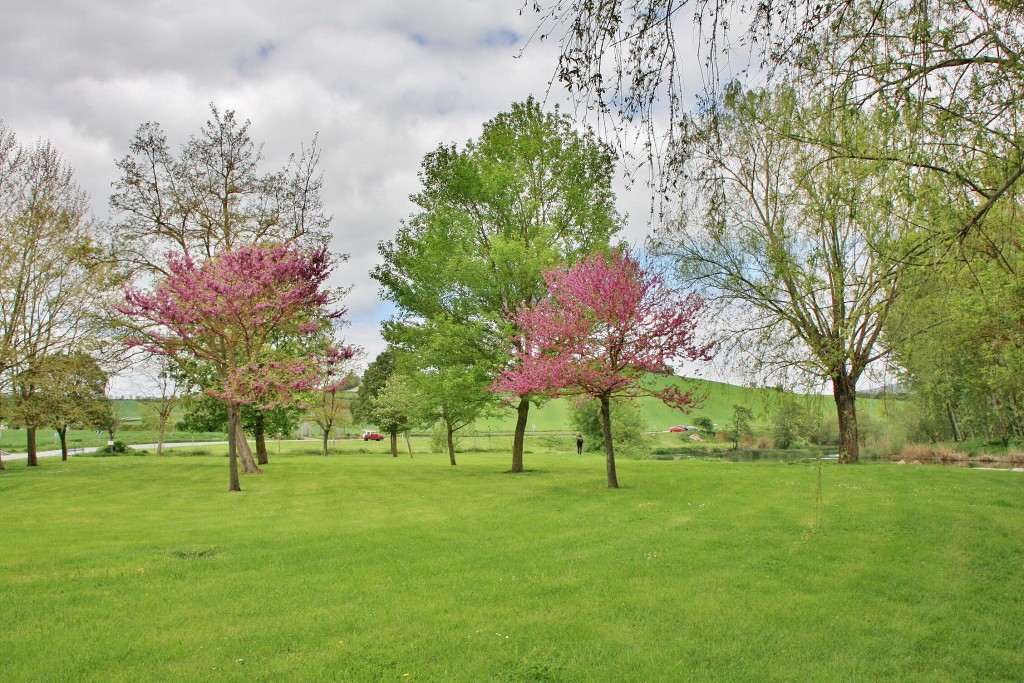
x=363 y=567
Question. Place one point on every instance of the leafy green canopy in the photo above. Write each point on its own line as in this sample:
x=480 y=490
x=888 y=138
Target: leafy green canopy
x=531 y=193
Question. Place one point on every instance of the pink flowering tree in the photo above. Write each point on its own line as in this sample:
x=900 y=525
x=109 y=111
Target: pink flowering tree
x=607 y=328
x=225 y=315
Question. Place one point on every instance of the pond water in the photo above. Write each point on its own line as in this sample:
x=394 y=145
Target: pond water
x=755 y=456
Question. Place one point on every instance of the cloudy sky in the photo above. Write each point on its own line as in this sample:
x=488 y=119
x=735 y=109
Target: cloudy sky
x=381 y=83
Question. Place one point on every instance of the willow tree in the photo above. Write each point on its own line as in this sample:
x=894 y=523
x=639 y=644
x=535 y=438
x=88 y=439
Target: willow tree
x=804 y=254
x=531 y=192
x=952 y=71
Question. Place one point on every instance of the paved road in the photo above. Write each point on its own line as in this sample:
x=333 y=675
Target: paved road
x=93 y=449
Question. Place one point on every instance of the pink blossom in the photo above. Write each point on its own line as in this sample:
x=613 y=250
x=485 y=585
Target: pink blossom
x=228 y=310
x=605 y=328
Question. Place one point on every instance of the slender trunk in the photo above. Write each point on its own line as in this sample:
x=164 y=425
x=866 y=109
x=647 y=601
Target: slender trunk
x=327 y=435
x=394 y=443
x=260 y=432
x=609 y=448
x=233 y=483
x=249 y=465
x=844 y=390
x=1004 y=433
x=957 y=436
x=63 y=432
x=161 y=429
x=1018 y=431
x=522 y=413
x=451 y=446
x=33 y=456
x=2 y=460
x=408 y=444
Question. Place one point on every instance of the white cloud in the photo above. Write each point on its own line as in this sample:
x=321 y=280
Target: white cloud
x=381 y=83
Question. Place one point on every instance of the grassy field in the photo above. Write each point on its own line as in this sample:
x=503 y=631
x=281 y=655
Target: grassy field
x=717 y=406
x=361 y=567
x=14 y=441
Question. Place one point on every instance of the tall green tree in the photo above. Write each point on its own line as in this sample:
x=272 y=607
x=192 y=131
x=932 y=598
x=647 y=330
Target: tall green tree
x=964 y=369
x=56 y=287
x=374 y=379
x=75 y=390
x=59 y=390
x=805 y=253
x=533 y=191
x=441 y=369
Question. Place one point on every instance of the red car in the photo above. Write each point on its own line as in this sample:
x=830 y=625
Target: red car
x=372 y=436
x=676 y=428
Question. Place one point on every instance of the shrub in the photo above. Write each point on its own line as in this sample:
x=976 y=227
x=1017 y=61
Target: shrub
x=937 y=452
x=628 y=426
x=439 y=438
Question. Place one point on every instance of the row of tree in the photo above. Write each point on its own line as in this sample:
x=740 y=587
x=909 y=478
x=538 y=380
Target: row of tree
x=859 y=207
x=58 y=289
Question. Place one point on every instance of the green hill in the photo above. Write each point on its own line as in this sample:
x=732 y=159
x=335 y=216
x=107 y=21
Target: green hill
x=717 y=405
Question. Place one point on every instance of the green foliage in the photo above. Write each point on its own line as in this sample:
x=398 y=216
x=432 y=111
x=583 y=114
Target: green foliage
x=202 y=413
x=118 y=447
x=397 y=406
x=705 y=425
x=793 y=422
x=374 y=379
x=628 y=426
x=742 y=417
x=441 y=370
x=964 y=370
x=282 y=420
x=439 y=438
x=532 y=192
x=61 y=390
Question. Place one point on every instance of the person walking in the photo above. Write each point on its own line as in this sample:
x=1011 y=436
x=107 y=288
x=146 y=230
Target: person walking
x=579 y=444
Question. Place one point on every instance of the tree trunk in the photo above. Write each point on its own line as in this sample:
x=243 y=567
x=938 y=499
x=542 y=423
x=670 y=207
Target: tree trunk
x=233 y=483
x=327 y=435
x=249 y=465
x=451 y=446
x=2 y=460
x=957 y=436
x=63 y=433
x=518 y=440
x=260 y=432
x=844 y=389
x=33 y=456
x=408 y=444
x=161 y=429
x=394 y=443
x=609 y=448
